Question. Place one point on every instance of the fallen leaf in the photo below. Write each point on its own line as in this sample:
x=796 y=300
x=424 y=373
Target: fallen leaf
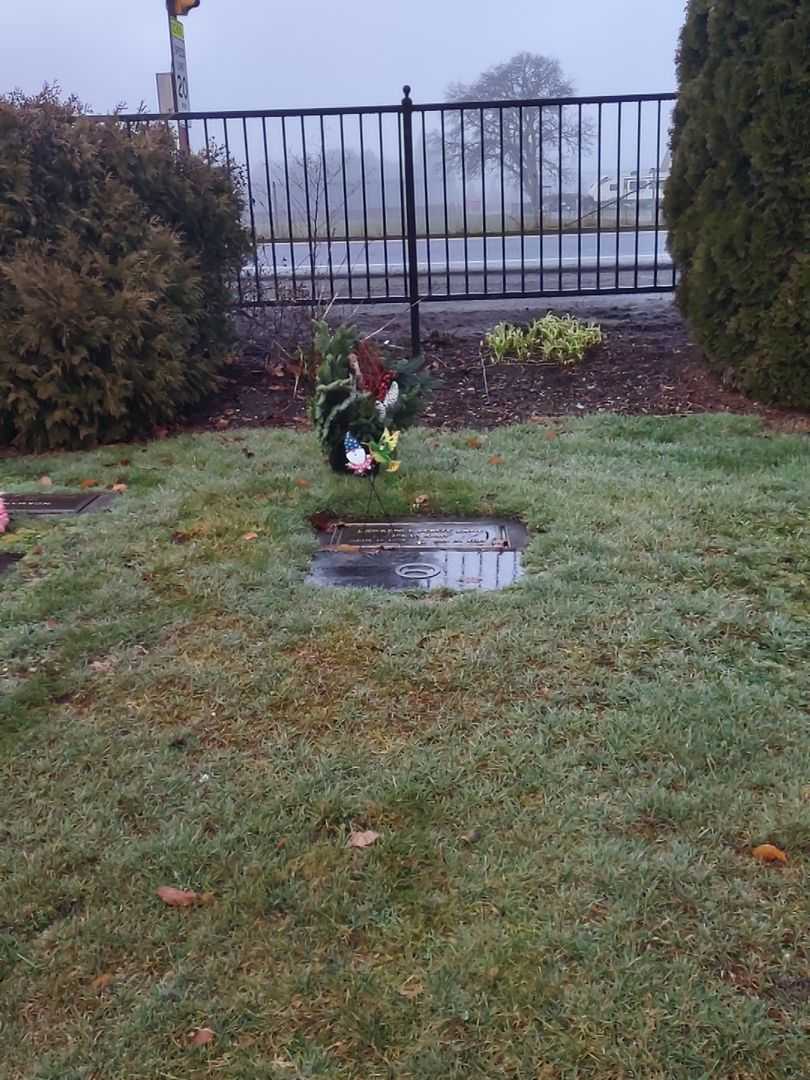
x=496 y=459
x=124 y=461
x=471 y=837
x=101 y=982
x=300 y=482
x=420 y=501
x=474 y=442
x=363 y=839
x=201 y=1037
x=321 y=521
x=38 y=550
x=45 y=481
x=51 y=624
x=177 y=897
x=180 y=537
x=102 y=665
x=251 y=536
x=119 y=489
x=412 y=988
x=551 y=436
x=769 y=853
x=85 y=484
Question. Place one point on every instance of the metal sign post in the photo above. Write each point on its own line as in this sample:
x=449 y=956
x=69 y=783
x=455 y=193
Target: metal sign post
x=182 y=100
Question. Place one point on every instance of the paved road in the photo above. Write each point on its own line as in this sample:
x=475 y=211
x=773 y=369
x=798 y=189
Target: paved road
x=448 y=266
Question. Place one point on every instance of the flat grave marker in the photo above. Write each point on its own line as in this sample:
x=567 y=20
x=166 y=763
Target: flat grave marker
x=459 y=556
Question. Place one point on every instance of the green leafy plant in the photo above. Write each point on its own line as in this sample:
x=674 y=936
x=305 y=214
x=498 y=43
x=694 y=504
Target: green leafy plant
x=737 y=201
x=558 y=339
x=118 y=255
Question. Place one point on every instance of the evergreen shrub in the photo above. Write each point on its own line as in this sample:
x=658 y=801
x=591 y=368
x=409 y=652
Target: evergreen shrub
x=118 y=258
x=738 y=197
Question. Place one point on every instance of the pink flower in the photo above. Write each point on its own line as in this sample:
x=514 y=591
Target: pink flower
x=360 y=468
x=4 y=518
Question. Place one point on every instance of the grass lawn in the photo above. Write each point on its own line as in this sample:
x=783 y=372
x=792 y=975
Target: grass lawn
x=568 y=776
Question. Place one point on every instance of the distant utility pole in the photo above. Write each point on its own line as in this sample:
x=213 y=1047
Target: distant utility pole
x=181 y=98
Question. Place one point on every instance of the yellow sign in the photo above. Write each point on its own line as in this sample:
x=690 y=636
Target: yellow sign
x=176 y=28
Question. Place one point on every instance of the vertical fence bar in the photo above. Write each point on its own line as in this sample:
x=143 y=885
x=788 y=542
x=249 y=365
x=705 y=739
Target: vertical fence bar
x=207 y=144
x=365 y=202
x=559 y=197
x=638 y=195
x=464 y=205
x=484 y=202
x=270 y=210
x=657 y=191
x=579 y=197
x=599 y=197
x=252 y=215
x=346 y=207
x=311 y=240
x=541 y=219
x=410 y=215
x=229 y=167
x=618 y=190
x=384 y=212
x=503 y=205
x=446 y=213
x=402 y=222
x=289 y=205
x=427 y=206
x=327 y=215
x=522 y=205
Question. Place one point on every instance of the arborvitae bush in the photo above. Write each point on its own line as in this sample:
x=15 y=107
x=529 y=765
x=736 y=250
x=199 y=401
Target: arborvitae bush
x=118 y=256
x=738 y=198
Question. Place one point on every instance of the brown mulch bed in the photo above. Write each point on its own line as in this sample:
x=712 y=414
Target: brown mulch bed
x=645 y=366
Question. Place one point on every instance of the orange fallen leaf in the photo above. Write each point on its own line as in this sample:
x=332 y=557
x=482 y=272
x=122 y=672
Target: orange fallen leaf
x=363 y=839
x=45 y=481
x=496 y=459
x=119 y=489
x=101 y=982
x=769 y=853
x=302 y=483
x=474 y=442
x=420 y=501
x=177 y=897
x=89 y=484
x=251 y=536
x=412 y=988
x=201 y=1037
x=551 y=435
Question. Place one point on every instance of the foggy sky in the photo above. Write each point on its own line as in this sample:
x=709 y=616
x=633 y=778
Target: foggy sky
x=269 y=54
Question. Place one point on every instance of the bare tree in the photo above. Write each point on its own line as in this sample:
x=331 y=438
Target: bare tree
x=528 y=139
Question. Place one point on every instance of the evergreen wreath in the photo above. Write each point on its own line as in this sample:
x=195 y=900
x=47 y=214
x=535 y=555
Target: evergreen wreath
x=362 y=401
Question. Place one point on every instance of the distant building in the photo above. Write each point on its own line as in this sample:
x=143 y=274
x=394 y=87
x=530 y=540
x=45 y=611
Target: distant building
x=608 y=190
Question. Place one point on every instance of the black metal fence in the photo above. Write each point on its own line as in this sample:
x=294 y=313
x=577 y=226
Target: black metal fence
x=467 y=200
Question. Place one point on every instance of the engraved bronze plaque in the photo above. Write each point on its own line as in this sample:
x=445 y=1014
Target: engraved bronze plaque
x=32 y=502
x=424 y=535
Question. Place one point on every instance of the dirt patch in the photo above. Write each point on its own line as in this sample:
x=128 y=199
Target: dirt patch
x=645 y=366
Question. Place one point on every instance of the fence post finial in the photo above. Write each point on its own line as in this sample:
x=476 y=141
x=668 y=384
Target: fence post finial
x=406 y=90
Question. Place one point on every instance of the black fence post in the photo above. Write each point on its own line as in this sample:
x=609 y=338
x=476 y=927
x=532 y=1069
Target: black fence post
x=410 y=218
